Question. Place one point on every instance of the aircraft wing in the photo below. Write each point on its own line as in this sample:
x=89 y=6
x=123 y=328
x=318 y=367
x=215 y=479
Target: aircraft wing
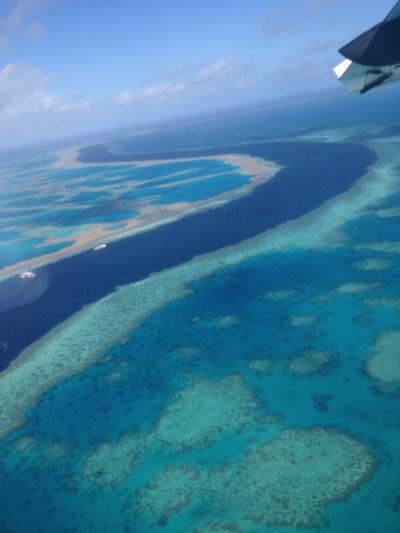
x=395 y=12
x=372 y=58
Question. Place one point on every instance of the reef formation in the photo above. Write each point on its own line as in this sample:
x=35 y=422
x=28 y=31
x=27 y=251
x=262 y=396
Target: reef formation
x=110 y=464
x=312 y=362
x=374 y=264
x=383 y=362
x=264 y=365
x=204 y=410
x=300 y=321
x=168 y=492
x=287 y=481
x=290 y=479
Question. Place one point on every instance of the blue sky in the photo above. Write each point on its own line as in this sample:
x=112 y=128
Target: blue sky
x=74 y=66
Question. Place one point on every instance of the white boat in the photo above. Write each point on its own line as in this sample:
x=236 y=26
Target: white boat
x=100 y=247
x=27 y=275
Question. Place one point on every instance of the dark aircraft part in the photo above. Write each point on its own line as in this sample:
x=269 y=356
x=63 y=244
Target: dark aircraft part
x=377 y=47
x=395 y=12
x=372 y=58
x=376 y=83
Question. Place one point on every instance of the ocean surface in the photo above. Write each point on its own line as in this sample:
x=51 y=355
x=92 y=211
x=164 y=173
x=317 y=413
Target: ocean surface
x=237 y=369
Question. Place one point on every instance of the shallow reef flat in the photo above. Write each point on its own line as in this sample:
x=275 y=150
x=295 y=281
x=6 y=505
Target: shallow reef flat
x=382 y=301
x=225 y=322
x=279 y=296
x=310 y=363
x=112 y=463
x=263 y=486
x=140 y=215
x=203 y=411
x=357 y=287
x=301 y=321
x=29 y=447
x=261 y=366
x=197 y=417
x=374 y=265
x=389 y=212
x=388 y=247
x=383 y=362
x=168 y=492
x=97 y=203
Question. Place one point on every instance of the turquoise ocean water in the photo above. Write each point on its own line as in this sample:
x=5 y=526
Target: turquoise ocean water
x=239 y=391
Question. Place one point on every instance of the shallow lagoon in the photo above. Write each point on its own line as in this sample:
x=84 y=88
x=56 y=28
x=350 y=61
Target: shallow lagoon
x=93 y=195
x=104 y=449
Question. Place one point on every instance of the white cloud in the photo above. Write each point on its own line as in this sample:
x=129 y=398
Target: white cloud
x=163 y=89
x=158 y=91
x=17 y=20
x=187 y=78
x=124 y=97
x=215 y=71
x=23 y=95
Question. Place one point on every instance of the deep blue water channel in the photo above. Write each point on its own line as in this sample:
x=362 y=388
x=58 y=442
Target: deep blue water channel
x=312 y=174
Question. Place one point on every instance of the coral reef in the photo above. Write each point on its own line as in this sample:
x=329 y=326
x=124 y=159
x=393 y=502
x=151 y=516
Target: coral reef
x=389 y=212
x=289 y=480
x=261 y=366
x=25 y=444
x=383 y=362
x=226 y=322
x=278 y=296
x=167 y=492
x=382 y=301
x=269 y=418
x=284 y=482
x=54 y=451
x=204 y=410
x=119 y=373
x=186 y=352
x=358 y=287
x=51 y=451
x=78 y=343
x=388 y=247
x=112 y=463
x=312 y=362
x=374 y=265
x=299 y=321
x=322 y=298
